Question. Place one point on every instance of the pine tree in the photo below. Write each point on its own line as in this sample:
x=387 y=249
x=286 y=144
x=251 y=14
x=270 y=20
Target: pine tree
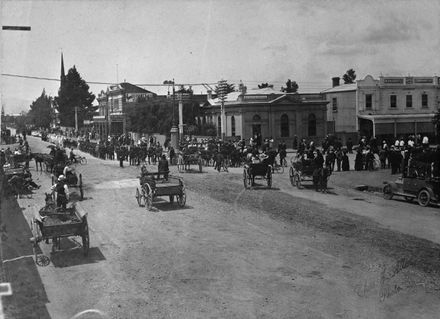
x=40 y=113
x=74 y=92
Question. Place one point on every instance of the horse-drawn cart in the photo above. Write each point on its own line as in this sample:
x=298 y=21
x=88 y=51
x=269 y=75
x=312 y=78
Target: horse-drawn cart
x=56 y=223
x=188 y=157
x=254 y=171
x=301 y=171
x=153 y=186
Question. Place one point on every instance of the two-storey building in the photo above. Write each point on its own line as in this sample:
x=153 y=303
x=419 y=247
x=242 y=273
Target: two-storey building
x=388 y=107
x=111 y=119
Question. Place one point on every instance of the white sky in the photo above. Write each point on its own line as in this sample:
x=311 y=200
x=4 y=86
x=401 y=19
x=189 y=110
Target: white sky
x=197 y=41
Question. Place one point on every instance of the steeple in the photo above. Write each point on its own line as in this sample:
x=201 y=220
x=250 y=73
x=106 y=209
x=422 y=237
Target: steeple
x=63 y=76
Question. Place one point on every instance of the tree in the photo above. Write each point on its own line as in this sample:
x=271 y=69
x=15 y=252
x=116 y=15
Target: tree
x=291 y=87
x=228 y=89
x=40 y=114
x=74 y=92
x=263 y=85
x=349 y=76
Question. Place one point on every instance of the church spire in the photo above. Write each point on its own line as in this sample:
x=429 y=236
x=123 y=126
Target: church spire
x=63 y=76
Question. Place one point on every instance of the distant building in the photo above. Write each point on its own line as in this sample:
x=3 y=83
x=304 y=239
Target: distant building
x=389 y=107
x=111 y=119
x=269 y=113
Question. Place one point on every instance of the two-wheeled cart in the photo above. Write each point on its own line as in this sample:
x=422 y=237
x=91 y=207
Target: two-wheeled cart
x=152 y=185
x=56 y=223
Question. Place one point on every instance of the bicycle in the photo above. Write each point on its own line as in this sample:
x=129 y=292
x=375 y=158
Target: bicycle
x=79 y=160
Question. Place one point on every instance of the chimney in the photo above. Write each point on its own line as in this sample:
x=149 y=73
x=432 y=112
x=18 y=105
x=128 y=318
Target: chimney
x=209 y=94
x=335 y=81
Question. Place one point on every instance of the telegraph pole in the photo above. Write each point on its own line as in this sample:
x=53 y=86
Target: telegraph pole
x=9 y=28
x=222 y=93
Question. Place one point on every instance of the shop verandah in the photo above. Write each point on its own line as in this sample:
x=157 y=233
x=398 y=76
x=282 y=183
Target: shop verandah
x=396 y=126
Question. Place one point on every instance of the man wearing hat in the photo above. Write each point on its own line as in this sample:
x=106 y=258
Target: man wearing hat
x=62 y=191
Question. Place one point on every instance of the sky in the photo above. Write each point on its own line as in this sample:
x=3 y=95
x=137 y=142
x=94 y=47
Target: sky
x=202 y=41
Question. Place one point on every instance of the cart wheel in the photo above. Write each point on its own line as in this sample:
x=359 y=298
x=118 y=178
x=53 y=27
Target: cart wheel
x=387 y=192
x=35 y=240
x=291 y=177
x=81 y=191
x=171 y=198
x=245 y=179
x=424 y=198
x=83 y=160
x=181 y=200
x=86 y=238
x=138 y=196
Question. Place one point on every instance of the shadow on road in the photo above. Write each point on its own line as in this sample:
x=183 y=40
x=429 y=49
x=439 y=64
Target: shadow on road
x=75 y=256
x=29 y=298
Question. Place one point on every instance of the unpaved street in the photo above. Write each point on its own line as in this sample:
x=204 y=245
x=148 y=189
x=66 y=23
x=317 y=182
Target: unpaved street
x=230 y=253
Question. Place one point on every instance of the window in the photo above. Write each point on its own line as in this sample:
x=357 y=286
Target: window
x=232 y=125
x=368 y=101
x=284 y=125
x=409 y=101
x=424 y=100
x=393 y=101
x=312 y=125
x=335 y=104
x=219 y=126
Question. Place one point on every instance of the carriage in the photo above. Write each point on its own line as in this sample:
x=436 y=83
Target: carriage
x=59 y=223
x=152 y=186
x=424 y=190
x=300 y=171
x=252 y=171
x=190 y=156
x=16 y=178
x=303 y=170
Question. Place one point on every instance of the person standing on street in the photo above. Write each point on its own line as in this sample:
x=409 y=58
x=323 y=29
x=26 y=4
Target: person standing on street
x=62 y=192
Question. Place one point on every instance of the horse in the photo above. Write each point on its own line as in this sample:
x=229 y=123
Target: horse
x=39 y=159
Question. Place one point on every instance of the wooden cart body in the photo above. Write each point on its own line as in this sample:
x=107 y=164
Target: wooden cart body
x=58 y=224
x=153 y=185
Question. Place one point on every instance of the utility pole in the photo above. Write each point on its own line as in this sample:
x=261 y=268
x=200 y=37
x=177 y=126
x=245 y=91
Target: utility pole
x=222 y=94
x=10 y=28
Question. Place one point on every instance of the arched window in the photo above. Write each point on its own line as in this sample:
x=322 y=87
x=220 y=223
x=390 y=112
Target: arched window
x=284 y=125
x=312 y=125
x=256 y=125
x=256 y=118
x=232 y=125
x=219 y=126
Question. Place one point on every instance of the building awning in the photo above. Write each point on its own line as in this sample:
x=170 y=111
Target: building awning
x=391 y=118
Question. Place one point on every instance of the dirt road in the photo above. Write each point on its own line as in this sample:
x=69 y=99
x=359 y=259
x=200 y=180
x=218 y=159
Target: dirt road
x=230 y=253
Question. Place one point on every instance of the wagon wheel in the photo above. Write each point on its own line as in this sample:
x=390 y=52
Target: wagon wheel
x=85 y=238
x=138 y=197
x=171 y=198
x=181 y=200
x=81 y=191
x=83 y=160
x=424 y=198
x=387 y=192
x=247 y=179
x=148 y=196
x=35 y=239
x=291 y=176
x=269 y=177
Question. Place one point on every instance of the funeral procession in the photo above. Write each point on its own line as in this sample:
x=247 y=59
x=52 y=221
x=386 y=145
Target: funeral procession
x=220 y=159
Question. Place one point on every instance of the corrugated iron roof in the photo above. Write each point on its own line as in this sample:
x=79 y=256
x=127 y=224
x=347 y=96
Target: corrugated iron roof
x=341 y=88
